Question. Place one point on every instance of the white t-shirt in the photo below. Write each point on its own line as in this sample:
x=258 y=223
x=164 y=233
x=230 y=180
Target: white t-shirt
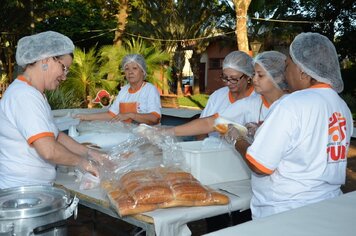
x=25 y=116
x=218 y=102
x=250 y=109
x=147 y=99
x=302 y=147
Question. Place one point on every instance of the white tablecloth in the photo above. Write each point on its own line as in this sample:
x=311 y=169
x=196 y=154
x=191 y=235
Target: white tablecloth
x=331 y=217
x=173 y=221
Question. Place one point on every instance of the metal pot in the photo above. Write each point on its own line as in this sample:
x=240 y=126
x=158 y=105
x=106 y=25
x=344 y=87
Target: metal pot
x=35 y=210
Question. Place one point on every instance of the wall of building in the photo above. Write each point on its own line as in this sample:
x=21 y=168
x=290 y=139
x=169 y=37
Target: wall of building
x=215 y=55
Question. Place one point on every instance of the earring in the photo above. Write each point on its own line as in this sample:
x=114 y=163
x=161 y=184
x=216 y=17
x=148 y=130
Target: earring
x=44 y=67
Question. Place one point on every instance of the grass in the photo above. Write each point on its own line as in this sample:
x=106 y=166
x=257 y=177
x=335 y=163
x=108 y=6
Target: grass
x=198 y=101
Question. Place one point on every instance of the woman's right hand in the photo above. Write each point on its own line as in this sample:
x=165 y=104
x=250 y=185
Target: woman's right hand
x=88 y=166
x=81 y=117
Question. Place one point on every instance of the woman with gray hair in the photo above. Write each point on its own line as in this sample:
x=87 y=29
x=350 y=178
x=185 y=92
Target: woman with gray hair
x=31 y=144
x=138 y=101
x=299 y=153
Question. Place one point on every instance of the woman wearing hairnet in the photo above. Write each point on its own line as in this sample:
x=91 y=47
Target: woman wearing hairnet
x=31 y=144
x=138 y=101
x=299 y=153
x=237 y=74
x=269 y=83
x=270 y=86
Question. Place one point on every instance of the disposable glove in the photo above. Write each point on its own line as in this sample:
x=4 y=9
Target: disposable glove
x=97 y=156
x=233 y=134
x=251 y=130
x=86 y=165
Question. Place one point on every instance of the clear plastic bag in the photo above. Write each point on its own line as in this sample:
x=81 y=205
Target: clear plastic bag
x=89 y=181
x=156 y=148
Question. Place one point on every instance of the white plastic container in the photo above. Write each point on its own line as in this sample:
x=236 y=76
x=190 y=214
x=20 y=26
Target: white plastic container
x=214 y=165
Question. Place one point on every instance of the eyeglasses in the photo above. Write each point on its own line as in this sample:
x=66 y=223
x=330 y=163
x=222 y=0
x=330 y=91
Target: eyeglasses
x=232 y=80
x=64 y=68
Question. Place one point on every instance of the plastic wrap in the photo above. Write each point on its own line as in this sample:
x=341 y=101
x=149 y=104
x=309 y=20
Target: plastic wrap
x=104 y=127
x=146 y=190
x=148 y=171
x=139 y=153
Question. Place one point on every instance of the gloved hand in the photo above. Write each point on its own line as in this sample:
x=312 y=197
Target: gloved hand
x=98 y=157
x=233 y=134
x=251 y=130
x=88 y=166
x=101 y=160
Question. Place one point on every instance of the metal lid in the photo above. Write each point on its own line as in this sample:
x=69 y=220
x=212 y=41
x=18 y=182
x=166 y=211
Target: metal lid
x=31 y=201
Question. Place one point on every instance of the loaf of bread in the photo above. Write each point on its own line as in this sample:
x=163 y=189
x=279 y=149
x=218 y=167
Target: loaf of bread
x=190 y=190
x=150 y=192
x=146 y=190
x=125 y=205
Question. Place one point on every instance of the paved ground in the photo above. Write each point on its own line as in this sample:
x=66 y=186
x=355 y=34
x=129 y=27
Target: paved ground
x=108 y=226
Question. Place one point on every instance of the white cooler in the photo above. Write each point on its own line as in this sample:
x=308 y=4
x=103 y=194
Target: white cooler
x=214 y=165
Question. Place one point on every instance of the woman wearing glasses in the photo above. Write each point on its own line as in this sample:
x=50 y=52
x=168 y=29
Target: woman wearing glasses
x=269 y=84
x=31 y=144
x=237 y=74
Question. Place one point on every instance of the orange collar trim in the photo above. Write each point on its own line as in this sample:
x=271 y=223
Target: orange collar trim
x=250 y=90
x=231 y=98
x=321 y=85
x=23 y=79
x=265 y=103
x=131 y=90
x=248 y=93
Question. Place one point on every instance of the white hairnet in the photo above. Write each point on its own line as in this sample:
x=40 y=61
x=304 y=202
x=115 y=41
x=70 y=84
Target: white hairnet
x=274 y=64
x=43 y=45
x=138 y=59
x=316 y=55
x=239 y=61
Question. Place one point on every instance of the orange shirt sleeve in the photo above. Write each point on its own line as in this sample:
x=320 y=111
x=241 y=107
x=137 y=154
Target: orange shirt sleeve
x=38 y=136
x=258 y=165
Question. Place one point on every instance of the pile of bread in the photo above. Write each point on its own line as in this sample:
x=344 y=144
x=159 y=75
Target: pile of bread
x=145 y=190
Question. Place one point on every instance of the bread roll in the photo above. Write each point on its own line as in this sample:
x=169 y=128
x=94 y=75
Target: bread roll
x=214 y=198
x=125 y=205
x=189 y=191
x=178 y=175
x=221 y=128
x=150 y=192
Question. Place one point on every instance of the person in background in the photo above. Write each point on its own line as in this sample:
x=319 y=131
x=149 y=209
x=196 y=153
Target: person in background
x=31 y=144
x=269 y=83
x=237 y=73
x=298 y=156
x=138 y=101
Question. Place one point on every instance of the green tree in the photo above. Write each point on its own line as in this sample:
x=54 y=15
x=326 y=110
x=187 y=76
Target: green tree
x=179 y=25
x=83 y=79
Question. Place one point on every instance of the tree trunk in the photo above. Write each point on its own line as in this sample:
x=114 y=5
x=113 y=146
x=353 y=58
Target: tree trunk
x=194 y=63
x=123 y=12
x=241 y=7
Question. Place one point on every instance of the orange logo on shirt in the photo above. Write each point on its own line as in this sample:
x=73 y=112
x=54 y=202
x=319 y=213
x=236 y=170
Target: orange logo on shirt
x=337 y=133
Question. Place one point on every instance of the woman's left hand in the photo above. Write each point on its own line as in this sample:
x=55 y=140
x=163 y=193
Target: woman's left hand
x=121 y=117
